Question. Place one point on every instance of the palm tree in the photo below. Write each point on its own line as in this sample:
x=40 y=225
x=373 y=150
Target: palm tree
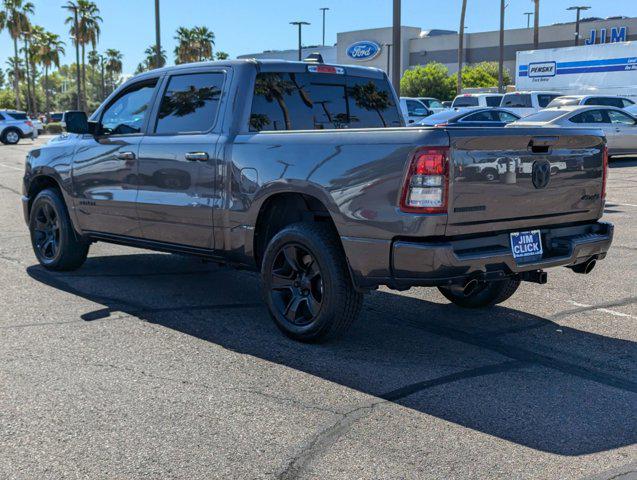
x=184 y=51
x=88 y=26
x=150 y=60
x=194 y=44
x=205 y=39
x=461 y=46
x=31 y=53
x=14 y=16
x=50 y=48
x=14 y=68
x=221 y=55
x=113 y=64
x=93 y=59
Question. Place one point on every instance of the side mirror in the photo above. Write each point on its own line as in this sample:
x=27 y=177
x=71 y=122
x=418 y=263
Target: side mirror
x=75 y=122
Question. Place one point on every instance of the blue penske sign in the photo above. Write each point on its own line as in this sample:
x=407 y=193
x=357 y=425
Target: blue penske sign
x=550 y=69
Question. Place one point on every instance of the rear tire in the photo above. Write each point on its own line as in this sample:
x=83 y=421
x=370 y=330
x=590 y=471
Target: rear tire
x=10 y=136
x=307 y=285
x=486 y=294
x=54 y=241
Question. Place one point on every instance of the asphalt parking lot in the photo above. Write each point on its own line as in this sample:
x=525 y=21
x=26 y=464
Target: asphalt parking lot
x=148 y=365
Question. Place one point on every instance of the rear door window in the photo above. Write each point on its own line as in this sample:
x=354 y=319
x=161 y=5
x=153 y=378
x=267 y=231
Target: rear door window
x=303 y=101
x=190 y=103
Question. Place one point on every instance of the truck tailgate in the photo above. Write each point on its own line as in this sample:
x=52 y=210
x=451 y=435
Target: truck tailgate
x=513 y=178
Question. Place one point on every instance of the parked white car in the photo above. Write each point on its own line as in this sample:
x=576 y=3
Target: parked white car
x=605 y=100
x=526 y=103
x=477 y=100
x=618 y=125
x=413 y=110
x=433 y=104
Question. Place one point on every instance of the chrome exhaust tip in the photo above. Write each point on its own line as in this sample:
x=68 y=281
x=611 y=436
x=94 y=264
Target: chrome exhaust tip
x=585 y=267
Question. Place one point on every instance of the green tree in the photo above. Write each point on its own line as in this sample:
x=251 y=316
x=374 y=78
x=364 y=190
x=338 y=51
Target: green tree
x=431 y=80
x=482 y=75
x=221 y=55
x=2 y=79
x=14 y=16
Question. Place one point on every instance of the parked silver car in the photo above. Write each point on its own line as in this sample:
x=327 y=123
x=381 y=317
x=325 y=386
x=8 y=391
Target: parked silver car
x=619 y=126
x=14 y=126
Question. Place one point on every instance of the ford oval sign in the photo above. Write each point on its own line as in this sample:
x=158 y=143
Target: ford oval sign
x=364 y=50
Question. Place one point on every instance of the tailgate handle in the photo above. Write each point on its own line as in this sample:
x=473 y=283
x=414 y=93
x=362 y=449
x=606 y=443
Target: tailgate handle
x=542 y=144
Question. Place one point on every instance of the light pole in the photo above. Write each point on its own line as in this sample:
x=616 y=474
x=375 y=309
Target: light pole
x=501 y=59
x=395 y=74
x=300 y=25
x=324 y=9
x=528 y=19
x=157 y=36
x=536 y=25
x=77 y=55
x=577 y=16
x=388 y=46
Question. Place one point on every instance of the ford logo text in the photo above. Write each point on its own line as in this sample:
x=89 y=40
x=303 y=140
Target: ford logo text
x=364 y=50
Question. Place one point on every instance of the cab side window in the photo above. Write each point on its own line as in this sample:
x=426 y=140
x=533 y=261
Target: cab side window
x=190 y=103
x=127 y=113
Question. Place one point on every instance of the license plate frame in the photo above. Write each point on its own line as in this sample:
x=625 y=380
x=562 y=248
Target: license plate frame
x=526 y=246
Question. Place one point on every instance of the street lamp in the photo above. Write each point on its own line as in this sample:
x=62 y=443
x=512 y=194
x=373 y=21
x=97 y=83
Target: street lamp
x=324 y=9
x=77 y=54
x=157 y=37
x=300 y=25
x=528 y=19
x=578 y=10
x=396 y=42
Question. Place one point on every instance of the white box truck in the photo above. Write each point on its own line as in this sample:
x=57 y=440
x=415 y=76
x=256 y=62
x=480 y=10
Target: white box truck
x=603 y=69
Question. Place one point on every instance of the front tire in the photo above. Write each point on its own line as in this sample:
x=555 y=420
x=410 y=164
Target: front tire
x=307 y=285
x=54 y=241
x=485 y=294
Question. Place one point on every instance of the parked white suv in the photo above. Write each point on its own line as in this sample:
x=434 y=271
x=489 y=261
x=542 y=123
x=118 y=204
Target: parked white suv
x=14 y=126
x=606 y=100
x=526 y=103
x=477 y=100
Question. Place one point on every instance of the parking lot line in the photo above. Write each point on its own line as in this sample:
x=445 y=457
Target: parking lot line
x=604 y=310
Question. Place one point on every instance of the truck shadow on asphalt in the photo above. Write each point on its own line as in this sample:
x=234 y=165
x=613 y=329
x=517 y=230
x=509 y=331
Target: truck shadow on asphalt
x=503 y=372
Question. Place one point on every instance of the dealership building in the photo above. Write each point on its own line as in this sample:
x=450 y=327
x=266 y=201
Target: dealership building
x=372 y=47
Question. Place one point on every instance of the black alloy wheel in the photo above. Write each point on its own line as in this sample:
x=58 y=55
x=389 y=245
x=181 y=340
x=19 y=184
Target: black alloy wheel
x=296 y=284
x=46 y=231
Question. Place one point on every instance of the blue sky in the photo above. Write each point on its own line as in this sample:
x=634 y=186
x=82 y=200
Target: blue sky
x=248 y=26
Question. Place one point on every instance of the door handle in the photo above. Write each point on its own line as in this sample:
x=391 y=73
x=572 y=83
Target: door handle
x=125 y=156
x=197 y=156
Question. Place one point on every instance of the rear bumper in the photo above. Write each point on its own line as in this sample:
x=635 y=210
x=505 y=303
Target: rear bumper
x=442 y=263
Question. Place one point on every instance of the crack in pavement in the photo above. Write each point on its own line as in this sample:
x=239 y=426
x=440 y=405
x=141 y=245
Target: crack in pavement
x=9 y=189
x=325 y=439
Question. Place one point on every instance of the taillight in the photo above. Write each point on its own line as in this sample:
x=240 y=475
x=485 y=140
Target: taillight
x=604 y=170
x=29 y=123
x=427 y=182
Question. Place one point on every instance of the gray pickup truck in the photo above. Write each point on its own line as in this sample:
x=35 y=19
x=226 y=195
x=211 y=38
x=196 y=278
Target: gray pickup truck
x=306 y=173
